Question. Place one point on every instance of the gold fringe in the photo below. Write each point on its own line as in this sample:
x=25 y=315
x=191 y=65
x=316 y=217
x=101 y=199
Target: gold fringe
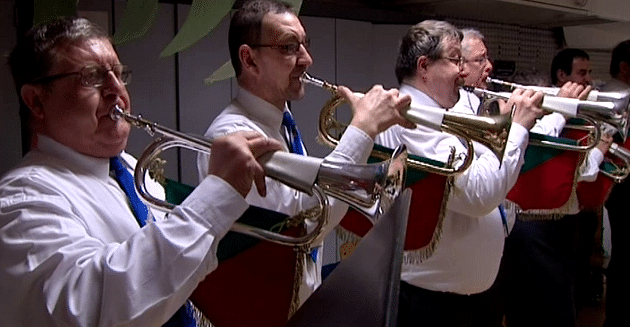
x=200 y=319
x=301 y=255
x=556 y=213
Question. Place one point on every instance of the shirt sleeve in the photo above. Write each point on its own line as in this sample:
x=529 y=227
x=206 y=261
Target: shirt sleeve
x=551 y=125
x=590 y=167
x=485 y=184
x=77 y=274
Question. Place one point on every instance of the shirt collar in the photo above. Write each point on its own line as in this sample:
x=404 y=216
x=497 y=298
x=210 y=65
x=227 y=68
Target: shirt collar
x=260 y=110
x=92 y=165
x=418 y=96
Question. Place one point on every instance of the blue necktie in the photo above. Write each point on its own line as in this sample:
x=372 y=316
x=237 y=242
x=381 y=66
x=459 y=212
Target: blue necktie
x=295 y=139
x=184 y=316
x=295 y=146
x=125 y=180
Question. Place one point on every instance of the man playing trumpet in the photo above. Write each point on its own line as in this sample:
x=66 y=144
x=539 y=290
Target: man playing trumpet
x=72 y=249
x=269 y=51
x=447 y=288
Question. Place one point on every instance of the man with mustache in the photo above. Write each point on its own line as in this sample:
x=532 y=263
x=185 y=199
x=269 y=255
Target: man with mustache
x=269 y=52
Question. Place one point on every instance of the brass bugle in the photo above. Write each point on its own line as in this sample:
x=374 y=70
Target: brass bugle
x=593 y=95
x=490 y=131
x=369 y=188
x=609 y=107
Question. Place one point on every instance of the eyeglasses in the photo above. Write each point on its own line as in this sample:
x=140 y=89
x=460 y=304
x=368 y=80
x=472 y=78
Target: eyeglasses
x=458 y=61
x=92 y=75
x=481 y=61
x=290 y=48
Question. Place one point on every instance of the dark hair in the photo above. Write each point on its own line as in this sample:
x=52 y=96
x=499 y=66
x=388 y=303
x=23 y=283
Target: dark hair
x=564 y=61
x=34 y=54
x=423 y=39
x=620 y=53
x=246 y=25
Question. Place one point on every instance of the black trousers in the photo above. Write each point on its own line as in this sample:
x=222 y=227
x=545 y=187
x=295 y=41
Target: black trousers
x=421 y=307
x=618 y=272
x=540 y=265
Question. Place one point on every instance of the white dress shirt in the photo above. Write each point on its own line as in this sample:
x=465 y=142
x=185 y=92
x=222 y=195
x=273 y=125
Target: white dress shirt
x=248 y=112
x=73 y=254
x=466 y=258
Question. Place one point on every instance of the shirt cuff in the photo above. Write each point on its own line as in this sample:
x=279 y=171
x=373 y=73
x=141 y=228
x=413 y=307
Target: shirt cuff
x=355 y=146
x=519 y=135
x=216 y=203
x=596 y=155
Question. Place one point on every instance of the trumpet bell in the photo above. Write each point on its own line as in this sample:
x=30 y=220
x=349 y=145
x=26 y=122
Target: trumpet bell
x=372 y=188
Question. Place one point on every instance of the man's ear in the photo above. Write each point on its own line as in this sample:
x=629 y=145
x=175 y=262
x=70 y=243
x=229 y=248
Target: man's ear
x=422 y=63
x=33 y=96
x=247 y=57
x=561 y=76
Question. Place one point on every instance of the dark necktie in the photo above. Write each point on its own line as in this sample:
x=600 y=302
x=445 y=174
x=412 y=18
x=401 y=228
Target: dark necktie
x=184 y=316
x=295 y=146
x=295 y=139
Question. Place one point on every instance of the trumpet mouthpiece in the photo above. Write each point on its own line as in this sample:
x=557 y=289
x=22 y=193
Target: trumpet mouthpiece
x=116 y=113
x=308 y=79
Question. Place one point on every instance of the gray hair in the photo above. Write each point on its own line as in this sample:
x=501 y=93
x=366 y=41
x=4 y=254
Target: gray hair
x=469 y=35
x=423 y=39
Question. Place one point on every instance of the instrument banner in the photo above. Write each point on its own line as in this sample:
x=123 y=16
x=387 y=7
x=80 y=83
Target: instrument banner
x=428 y=198
x=253 y=284
x=548 y=175
x=593 y=195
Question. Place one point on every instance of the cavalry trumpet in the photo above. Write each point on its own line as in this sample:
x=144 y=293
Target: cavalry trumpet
x=490 y=131
x=594 y=95
x=371 y=189
x=612 y=108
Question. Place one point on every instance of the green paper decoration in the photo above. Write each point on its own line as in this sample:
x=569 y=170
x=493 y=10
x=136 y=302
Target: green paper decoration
x=203 y=17
x=45 y=11
x=138 y=18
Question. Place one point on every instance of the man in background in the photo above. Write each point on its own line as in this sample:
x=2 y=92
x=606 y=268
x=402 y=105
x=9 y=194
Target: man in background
x=617 y=284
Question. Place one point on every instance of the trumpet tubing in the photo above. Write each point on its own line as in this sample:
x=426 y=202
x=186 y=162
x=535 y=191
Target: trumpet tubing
x=598 y=105
x=490 y=131
x=371 y=189
x=620 y=172
x=616 y=114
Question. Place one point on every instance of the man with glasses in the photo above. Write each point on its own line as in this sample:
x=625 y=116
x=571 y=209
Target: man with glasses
x=443 y=289
x=477 y=68
x=269 y=52
x=72 y=249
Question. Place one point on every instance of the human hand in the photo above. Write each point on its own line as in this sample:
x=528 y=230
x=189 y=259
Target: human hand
x=604 y=142
x=233 y=158
x=378 y=109
x=574 y=90
x=526 y=104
